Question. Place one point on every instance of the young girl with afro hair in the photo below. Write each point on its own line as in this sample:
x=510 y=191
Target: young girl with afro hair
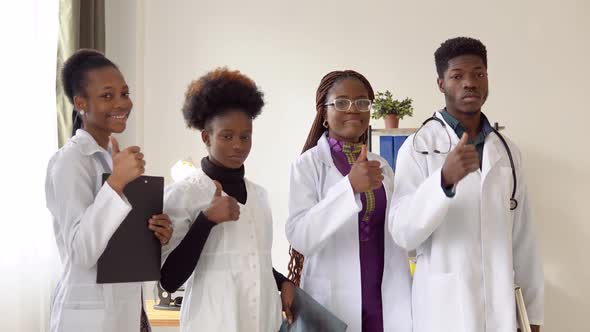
x=222 y=221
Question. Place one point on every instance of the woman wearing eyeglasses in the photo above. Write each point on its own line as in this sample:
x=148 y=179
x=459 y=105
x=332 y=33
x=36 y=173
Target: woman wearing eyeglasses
x=342 y=252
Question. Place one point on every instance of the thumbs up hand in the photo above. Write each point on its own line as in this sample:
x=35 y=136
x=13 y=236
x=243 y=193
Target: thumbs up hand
x=460 y=162
x=222 y=208
x=128 y=165
x=365 y=175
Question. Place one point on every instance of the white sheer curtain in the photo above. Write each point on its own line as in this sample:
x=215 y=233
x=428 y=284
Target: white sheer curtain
x=29 y=263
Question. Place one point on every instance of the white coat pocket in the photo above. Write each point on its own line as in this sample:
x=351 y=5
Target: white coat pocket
x=446 y=310
x=213 y=296
x=84 y=307
x=83 y=297
x=82 y=319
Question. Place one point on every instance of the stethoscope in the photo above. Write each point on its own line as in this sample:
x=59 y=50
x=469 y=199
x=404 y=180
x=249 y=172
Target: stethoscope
x=513 y=201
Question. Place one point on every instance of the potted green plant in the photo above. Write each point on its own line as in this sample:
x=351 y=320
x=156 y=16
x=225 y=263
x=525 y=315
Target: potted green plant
x=392 y=110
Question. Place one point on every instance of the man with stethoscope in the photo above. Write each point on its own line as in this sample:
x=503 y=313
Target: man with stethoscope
x=460 y=201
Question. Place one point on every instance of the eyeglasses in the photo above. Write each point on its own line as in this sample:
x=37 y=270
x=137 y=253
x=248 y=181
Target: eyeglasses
x=344 y=104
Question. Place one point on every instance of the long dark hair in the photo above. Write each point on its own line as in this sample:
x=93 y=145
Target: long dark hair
x=316 y=131
x=73 y=77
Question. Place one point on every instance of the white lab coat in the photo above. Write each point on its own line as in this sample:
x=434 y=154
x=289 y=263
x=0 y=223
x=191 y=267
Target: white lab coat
x=323 y=226
x=471 y=249
x=85 y=216
x=232 y=288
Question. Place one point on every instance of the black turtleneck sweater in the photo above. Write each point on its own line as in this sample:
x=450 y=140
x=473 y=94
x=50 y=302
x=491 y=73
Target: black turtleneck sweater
x=182 y=261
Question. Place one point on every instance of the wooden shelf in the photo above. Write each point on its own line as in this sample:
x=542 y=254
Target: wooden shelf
x=163 y=318
x=393 y=132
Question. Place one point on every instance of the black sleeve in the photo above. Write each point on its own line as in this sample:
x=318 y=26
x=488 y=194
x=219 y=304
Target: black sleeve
x=279 y=278
x=182 y=261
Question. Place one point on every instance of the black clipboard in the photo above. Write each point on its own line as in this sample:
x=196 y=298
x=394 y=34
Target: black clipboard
x=133 y=253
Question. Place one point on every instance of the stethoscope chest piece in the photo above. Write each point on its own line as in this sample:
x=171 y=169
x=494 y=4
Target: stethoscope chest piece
x=513 y=204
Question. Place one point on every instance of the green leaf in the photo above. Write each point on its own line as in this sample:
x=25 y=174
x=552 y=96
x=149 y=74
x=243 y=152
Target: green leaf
x=384 y=104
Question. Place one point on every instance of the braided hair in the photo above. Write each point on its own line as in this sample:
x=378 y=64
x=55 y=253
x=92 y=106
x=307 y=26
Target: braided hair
x=316 y=131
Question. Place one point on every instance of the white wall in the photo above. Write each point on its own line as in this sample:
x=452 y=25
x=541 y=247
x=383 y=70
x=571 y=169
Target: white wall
x=538 y=80
x=124 y=46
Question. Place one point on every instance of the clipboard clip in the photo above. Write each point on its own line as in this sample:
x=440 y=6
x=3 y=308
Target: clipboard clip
x=165 y=300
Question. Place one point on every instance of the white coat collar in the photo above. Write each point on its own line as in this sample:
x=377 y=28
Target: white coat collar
x=452 y=134
x=87 y=144
x=492 y=153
